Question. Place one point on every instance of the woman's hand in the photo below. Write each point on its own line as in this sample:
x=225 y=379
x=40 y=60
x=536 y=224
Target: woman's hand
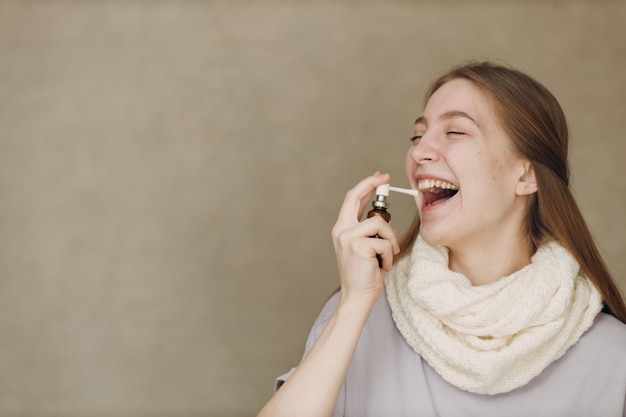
x=356 y=250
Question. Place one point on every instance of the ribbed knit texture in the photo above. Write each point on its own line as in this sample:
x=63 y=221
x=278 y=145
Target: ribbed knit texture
x=492 y=338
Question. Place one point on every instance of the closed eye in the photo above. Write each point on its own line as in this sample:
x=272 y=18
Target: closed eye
x=456 y=133
x=415 y=138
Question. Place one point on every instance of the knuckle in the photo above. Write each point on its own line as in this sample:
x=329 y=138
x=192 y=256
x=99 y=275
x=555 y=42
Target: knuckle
x=349 y=195
x=340 y=237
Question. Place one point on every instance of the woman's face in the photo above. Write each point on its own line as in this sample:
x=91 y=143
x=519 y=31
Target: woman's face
x=471 y=182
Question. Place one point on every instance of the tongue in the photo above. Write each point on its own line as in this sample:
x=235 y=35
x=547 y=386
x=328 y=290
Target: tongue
x=436 y=197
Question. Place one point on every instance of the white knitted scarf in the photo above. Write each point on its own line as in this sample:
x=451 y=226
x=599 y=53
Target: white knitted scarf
x=492 y=338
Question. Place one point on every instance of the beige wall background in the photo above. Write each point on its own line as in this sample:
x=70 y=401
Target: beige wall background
x=170 y=172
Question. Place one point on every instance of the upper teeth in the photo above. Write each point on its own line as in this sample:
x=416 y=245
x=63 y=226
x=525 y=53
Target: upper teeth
x=428 y=184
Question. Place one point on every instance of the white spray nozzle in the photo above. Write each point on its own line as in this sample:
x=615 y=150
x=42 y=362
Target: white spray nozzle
x=383 y=190
x=401 y=190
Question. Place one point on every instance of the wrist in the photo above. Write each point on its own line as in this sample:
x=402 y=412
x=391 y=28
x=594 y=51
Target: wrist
x=355 y=307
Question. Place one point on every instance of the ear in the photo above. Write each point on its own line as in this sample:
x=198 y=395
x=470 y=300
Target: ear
x=527 y=182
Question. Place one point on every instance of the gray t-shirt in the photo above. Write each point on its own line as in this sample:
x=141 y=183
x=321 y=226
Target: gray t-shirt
x=388 y=379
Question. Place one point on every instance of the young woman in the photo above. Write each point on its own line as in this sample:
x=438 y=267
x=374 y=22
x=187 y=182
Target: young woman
x=496 y=302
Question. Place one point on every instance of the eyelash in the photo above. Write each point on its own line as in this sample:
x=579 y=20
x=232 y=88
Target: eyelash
x=418 y=137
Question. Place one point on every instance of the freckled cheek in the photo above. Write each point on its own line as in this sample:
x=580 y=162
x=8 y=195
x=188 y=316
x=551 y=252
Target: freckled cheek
x=500 y=168
x=488 y=167
x=502 y=162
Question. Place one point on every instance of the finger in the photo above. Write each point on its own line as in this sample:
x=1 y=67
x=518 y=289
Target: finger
x=377 y=226
x=367 y=228
x=358 y=197
x=383 y=253
x=386 y=232
x=369 y=238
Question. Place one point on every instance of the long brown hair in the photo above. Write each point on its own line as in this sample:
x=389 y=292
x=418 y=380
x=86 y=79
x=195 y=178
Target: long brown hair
x=534 y=120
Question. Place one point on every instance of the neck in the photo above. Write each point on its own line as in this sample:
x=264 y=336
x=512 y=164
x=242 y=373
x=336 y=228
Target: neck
x=484 y=264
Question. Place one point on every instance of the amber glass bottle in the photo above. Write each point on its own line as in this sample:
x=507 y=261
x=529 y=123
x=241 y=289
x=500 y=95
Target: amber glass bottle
x=379 y=208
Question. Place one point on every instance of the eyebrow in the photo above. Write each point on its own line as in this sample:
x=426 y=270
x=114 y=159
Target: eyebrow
x=452 y=114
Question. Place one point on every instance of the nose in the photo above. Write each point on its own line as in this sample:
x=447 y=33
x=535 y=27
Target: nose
x=424 y=149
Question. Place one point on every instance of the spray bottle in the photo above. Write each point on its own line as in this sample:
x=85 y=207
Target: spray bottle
x=380 y=206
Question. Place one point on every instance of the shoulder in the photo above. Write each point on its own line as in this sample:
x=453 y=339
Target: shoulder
x=608 y=327
x=606 y=337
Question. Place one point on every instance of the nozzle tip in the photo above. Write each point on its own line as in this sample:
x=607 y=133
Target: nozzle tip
x=383 y=190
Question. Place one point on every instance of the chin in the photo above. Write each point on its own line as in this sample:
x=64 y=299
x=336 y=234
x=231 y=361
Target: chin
x=434 y=237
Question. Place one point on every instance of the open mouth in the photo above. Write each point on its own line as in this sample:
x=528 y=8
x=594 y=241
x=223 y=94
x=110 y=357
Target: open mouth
x=436 y=191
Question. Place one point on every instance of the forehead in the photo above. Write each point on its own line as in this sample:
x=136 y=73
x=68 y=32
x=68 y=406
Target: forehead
x=459 y=96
